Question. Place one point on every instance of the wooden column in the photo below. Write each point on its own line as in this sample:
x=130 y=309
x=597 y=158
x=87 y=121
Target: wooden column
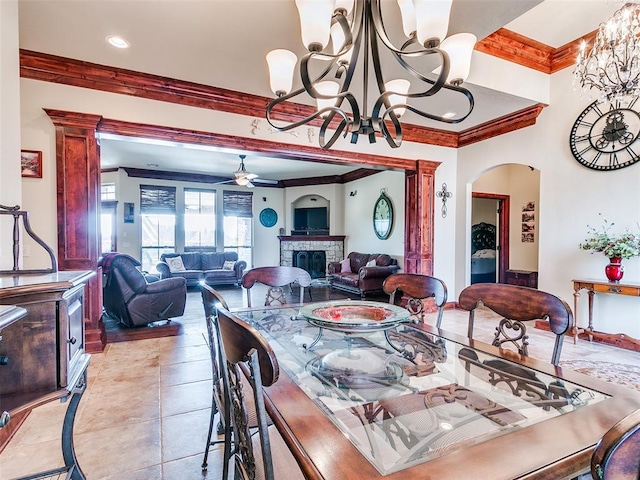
x=78 y=202
x=418 y=221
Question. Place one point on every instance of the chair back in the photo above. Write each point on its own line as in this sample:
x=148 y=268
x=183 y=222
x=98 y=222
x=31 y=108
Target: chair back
x=415 y=288
x=245 y=347
x=617 y=454
x=276 y=278
x=516 y=305
x=211 y=301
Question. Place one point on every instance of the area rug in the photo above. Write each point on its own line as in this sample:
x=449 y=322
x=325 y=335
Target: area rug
x=620 y=373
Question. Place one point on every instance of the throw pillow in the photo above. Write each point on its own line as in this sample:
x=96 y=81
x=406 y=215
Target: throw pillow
x=371 y=263
x=175 y=264
x=228 y=265
x=345 y=266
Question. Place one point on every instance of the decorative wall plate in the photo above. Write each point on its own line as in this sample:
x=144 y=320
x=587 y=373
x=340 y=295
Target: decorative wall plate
x=268 y=217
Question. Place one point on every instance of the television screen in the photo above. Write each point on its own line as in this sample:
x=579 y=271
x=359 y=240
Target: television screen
x=310 y=219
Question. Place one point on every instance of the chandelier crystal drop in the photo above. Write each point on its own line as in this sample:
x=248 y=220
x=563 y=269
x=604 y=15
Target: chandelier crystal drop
x=345 y=36
x=612 y=66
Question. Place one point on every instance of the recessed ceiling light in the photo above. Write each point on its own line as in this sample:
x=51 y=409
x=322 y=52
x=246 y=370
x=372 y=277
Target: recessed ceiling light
x=117 y=42
x=449 y=115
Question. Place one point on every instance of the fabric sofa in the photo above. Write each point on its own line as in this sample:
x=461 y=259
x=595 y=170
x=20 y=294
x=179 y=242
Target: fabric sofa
x=361 y=279
x=215 y=268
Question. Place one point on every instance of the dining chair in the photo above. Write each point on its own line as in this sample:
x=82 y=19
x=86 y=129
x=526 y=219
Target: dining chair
x=517 y=305
x=617 y=454
x=415 y=288
x=211 y=300
x=248 y=354
x=276 y=278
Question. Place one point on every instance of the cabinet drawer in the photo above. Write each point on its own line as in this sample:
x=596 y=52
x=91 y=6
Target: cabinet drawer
x=618 y=289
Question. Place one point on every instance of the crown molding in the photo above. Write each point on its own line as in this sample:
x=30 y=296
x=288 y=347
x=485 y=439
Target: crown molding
x=499 y=126
x=67 y=71
x=524 y=51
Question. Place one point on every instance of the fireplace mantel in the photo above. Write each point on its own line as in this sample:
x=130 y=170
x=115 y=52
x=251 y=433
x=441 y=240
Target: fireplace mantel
x=312 y=238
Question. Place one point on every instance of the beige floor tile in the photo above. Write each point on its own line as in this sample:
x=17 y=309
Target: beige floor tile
x=123 y=448
x=189 y=468
x=119 y=406
x=26 y=459
x=184 y=435
x=186 y=372
x=188 y=397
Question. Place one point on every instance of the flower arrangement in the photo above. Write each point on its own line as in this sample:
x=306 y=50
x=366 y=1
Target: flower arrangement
x=625 y=245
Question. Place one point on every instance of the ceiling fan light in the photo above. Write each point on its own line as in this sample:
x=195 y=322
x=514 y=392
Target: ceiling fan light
x=243 y=181
x=401 y=87
x=327 y=88
x=315 y=22
x=432 y=21
x=408 y=13
x=281 y=65
x=460 y=48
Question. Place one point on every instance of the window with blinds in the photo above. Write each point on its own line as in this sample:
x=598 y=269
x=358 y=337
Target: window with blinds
x=200 y=218
x=237 y=208
x=158 y=219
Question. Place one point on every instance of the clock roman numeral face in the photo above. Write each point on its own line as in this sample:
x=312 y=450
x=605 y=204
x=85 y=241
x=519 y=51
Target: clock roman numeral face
x=604 y=136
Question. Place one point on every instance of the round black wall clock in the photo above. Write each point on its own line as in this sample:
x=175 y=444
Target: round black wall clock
x=383 y=217
x=268 y=217
x=604 y=136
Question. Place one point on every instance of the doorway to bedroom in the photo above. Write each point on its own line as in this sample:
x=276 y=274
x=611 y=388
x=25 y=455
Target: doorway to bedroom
x=489 y=237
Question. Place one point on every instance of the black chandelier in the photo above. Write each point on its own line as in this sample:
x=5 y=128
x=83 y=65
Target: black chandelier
x=350 y=30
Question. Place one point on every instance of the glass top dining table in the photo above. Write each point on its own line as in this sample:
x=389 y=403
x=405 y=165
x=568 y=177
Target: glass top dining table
x=412 y=399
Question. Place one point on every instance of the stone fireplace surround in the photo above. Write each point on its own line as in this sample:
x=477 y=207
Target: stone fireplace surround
x=332 y=245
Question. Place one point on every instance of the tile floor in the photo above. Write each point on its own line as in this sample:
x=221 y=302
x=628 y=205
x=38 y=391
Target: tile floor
x=145 y=413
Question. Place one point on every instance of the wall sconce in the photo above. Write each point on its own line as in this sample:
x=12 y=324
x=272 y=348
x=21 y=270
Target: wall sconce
x=444 y=194
x=353 y=193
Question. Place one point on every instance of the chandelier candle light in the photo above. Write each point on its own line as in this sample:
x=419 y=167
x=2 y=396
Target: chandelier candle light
x=336 y=33
x=612 y=66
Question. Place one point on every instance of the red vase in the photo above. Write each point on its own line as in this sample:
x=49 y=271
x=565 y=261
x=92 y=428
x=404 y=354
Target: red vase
x=614 y=270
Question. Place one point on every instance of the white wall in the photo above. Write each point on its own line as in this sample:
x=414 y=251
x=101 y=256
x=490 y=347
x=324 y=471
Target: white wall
x=10 y=184
x=358 y=215
x=571 y=196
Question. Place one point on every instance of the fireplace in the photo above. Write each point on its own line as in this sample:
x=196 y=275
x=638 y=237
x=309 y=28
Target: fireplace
x=313 y=261
x=330 y=246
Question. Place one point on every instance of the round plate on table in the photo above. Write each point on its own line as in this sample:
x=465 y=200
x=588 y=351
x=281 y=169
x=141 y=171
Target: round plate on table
x=268 y=217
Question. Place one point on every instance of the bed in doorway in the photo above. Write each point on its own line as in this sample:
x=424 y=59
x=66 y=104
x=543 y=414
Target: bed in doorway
x=483 y=253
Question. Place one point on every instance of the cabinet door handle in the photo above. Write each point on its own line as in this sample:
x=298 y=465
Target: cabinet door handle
x=72 y=340
x=4 y=418
x=614 y=290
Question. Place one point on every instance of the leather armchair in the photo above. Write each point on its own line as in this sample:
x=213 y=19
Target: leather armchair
x=130 y=299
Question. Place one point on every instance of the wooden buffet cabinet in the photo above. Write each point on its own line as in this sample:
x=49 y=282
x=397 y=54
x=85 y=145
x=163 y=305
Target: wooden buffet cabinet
x=42 y=354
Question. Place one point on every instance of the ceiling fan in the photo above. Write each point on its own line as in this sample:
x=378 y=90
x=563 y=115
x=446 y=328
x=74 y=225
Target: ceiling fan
x=246 y=179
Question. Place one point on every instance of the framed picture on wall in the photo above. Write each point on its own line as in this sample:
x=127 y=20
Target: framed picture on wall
x=128 y=212
x=31 y=163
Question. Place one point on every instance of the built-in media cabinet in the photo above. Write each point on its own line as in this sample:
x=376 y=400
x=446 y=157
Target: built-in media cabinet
x=42 y=354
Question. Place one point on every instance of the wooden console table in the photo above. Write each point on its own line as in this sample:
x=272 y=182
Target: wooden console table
x=598 y=286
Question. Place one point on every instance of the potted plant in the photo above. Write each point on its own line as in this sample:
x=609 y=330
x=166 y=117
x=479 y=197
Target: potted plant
x=614 y=247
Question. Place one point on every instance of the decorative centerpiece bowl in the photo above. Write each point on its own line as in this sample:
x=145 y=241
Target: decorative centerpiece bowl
x=353 y=316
